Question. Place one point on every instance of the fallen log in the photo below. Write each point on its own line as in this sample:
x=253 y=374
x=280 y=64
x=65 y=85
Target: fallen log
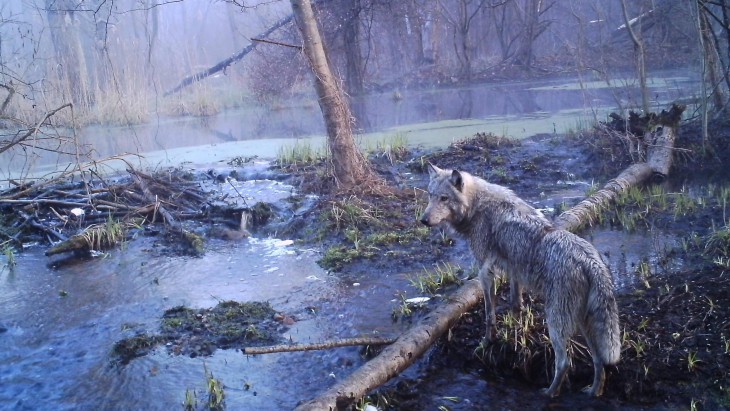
x=401 y=354
x=230 y=60
x=345 y=342
x=414 y=342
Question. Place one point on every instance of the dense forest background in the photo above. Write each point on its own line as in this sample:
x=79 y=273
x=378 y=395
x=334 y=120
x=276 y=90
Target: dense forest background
x=115 y=60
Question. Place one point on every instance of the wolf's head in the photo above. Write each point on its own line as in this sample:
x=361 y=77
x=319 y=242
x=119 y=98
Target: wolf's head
x=447 y=199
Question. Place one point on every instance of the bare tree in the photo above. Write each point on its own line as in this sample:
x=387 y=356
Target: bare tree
x=349 y=166
x=640 y=56
x=461 y=18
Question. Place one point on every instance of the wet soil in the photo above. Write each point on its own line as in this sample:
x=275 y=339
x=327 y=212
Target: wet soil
x=675 y=321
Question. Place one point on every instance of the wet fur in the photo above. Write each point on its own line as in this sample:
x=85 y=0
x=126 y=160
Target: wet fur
x=508 y=236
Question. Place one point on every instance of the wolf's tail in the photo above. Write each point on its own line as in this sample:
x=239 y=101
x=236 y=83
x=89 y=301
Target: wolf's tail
x=602 y=314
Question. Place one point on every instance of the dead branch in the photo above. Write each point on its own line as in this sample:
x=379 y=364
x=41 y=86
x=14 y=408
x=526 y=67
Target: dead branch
x=7 y=145
x=11 y=92
x=346 y=342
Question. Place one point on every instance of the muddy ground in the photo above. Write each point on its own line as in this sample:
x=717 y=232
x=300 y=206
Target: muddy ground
x=676 y=353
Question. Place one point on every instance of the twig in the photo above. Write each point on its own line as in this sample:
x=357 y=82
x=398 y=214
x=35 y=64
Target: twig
x=347 y=342
x=17 y=140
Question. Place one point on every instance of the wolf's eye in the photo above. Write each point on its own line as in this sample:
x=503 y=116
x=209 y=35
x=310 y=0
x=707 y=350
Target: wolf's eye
x=444 y=198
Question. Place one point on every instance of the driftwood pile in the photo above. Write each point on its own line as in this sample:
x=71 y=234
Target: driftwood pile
x=94 y=213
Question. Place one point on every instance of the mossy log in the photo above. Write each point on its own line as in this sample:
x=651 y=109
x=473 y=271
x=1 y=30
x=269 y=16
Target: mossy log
x=414 y=342
x=74 y=243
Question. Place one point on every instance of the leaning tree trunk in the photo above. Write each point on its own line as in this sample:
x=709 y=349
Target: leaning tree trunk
x=414 y=342
x=349 y=166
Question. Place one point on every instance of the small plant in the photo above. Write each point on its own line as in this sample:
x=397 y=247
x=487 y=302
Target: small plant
x=692 y=361
x=9 y=252
x=644 y=271
x=216 y=394
x=441 y=276
x=403 y=309
x=101 y=236
x=301 y=154
x=191 y=400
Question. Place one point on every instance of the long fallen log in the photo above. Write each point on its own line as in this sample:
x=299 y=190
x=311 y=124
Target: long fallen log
x=417 y=340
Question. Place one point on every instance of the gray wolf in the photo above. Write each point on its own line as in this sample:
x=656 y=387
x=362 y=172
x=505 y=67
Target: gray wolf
x=509 y=237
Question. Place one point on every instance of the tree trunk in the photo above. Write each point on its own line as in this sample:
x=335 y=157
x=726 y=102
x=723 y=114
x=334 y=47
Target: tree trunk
x=70 y=61
x=349 y=166
x=354 y=69
x=414 y=342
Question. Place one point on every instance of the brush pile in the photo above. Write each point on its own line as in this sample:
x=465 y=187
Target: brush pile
x=78 y=213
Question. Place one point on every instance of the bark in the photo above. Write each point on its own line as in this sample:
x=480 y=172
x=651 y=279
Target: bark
x=414 y=342
x=349 y=166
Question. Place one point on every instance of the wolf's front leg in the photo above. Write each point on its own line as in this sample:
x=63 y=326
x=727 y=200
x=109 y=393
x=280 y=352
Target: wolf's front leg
x=515 y=294
x=487 y=278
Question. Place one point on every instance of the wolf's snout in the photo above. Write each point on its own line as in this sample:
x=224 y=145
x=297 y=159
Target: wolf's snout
x=424 y=221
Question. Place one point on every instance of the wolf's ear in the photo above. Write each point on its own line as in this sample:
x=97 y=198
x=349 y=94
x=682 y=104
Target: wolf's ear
x=433 y=171
x=456 y=180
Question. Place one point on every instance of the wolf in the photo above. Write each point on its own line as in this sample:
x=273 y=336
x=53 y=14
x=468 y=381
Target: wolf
x=509 y=237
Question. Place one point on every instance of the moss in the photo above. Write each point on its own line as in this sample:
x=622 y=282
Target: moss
x=261 y=213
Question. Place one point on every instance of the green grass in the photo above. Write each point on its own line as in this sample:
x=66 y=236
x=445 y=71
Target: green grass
x=441 y=276
x=301 y=154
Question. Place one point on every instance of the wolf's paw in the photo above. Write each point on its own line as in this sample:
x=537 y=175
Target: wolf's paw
x=593 y=392
x=550 y=393
x=488 y=340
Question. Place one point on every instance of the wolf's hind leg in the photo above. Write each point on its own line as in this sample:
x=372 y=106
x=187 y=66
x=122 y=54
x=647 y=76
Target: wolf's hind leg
x=490 y=317
x=559 y=340
x=599 y=372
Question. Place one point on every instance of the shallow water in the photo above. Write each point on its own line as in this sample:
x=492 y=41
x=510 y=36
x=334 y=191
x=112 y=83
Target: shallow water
x=56 y=350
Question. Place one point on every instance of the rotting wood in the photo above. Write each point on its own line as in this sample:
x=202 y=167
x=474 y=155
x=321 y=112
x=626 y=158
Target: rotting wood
x=345 y=342
x=413 y=343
